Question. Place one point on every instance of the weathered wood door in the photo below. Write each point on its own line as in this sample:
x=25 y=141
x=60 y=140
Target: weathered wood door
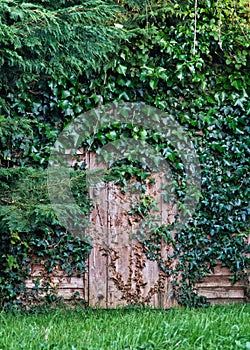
x=119 y=272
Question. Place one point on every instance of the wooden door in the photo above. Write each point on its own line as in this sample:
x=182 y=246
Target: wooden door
x=119 y=272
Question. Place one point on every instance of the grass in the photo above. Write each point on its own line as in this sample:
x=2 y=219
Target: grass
x=218 y=327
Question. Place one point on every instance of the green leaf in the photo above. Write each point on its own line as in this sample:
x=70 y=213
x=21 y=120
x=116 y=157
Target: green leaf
x=65 y=93
x=153 y=83
x=122 y=69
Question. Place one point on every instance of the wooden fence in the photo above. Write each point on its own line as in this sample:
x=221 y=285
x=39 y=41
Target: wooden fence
x=119 y=272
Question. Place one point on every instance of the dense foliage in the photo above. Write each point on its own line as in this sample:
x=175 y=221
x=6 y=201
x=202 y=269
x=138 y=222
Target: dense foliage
x=43 y=44
x=192 y=62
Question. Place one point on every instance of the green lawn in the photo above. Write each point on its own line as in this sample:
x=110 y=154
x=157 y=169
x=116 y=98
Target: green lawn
x=220 y=327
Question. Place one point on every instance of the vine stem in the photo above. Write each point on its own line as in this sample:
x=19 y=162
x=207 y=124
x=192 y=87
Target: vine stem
x=195 y=24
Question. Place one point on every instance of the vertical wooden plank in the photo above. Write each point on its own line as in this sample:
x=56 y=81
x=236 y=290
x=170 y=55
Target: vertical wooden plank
x=152 y=273
x=168 y=299
x=97 y=265
x=120 y=230
x=167 y=211
x=169 y=207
